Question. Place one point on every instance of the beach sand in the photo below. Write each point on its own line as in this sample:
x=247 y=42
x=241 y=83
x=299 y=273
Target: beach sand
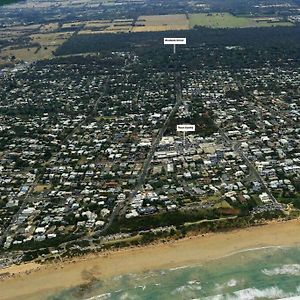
x=33 y=281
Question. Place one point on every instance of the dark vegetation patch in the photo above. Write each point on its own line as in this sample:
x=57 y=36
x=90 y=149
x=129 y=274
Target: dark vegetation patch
x=6 y=2
x=253 y=47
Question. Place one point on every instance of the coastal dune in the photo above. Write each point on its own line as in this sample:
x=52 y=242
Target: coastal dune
x=34 y=281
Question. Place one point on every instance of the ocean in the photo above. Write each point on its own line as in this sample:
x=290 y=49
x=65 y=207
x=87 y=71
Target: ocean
x=263 y=273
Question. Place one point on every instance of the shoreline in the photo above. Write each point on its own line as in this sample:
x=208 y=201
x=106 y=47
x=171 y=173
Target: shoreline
x=36 y=281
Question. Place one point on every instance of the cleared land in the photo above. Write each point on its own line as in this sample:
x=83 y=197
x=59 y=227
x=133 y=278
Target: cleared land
x=226 y=20
x=72 y=25
x=17 y=31
x=51 y=39
x=25 y=28
x=115 y=29
x=41 y=46
x=49 y=27
x=107 y=26
x=28 y=54
x=42 y=187
x=97 y=24
x=10 y=34
x=173 y=22
x=94 y=31
x=161 y=23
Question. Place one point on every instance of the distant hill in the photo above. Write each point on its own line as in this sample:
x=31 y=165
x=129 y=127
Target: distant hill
x=5 y=2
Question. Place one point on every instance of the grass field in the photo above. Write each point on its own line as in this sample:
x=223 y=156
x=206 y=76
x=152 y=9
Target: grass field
x=175 y=22
x=25 y=27
x=30 y=54
x=51 y=39
x=107 y=26
x=42 y=187
x=10 y=34
x=115 y=29
x=72 y=25
x=25 y=54
x=49 y=27
x=41 y=45
x=16 y=31
x=97 y=24
x=47 y=44
x=161 y=23
x=226 y=20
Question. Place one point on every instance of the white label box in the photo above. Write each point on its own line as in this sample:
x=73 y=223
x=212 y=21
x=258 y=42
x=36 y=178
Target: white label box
x=186 y=127
x=175 y=41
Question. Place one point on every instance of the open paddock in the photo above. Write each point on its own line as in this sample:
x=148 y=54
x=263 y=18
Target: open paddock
x=72 y=25
x=149 y=28
x=42 y=187
x=25 y=28
x=49 y=27
x=4 y=34
x=28 y=54
x=226 y=20
x=123 y=21
x=97 y=24
x=51 y=39
x=161 y=20
x=113 y=29
x=161 y=23
x=92 y=31
x=120 y=24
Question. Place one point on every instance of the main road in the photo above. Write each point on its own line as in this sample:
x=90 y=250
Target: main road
x=121 y=207
x=147 y=162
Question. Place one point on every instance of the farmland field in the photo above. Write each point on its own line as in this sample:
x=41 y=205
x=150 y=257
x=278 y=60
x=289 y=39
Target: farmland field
x=161 y=23
x=115 y=29
x=107 y=26
x=97 y=24
x=226 y=20
x=51 y=39
x=28 y=54
x=72 y=25
x=41 y=46
x=49 y=27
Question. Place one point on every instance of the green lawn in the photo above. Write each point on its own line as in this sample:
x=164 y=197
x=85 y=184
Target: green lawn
x=226 y=20
x=294 y=200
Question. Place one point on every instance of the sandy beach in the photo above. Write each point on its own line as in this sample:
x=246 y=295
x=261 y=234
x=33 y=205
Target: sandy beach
x=33 y=281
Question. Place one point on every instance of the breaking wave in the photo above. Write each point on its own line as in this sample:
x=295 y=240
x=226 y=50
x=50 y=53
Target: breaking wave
x=193 y=285
x=252 y=294
x=293 y=269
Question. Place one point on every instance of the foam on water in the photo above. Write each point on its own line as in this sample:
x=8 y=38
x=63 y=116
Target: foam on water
x=264 y=273
x=293 y=269
x=252 y=294
x=100 y=297
x=230 y=283
x=179 y=268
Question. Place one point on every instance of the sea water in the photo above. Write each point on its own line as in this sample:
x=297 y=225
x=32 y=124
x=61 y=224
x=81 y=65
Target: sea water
x=264 y=273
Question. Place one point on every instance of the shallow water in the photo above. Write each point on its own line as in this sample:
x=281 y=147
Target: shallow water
x=265 y=273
